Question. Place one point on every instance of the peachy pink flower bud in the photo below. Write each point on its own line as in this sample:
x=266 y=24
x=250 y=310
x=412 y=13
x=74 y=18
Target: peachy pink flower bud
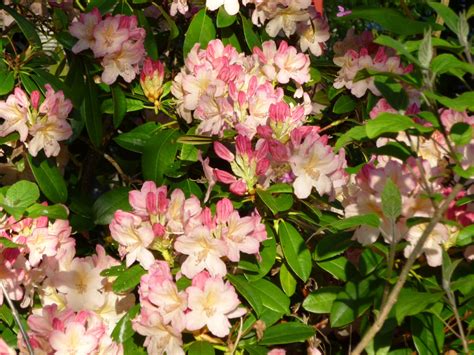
x=151 y=79
x=222 y=152
x=35 y=98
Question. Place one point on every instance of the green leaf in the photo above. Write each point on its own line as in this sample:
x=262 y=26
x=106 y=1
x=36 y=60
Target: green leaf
x=246 y=289
x=411 y=302
x=338 y=267
x=129 y=279
x=7 y=243
x=159 y=154
x=201 y=30
x=104 y=6
x=392 y=91
x=463 y=102
x=344 y=104
x=350 y=303
x=54 y=211
x=391 y=20
x=120 y=104
x=251 y=38
x=136 y=139
x=228 y=36
x=356 y=133
x=465 y=236
x=131 y=105
x=114 y=270
x=287 y=333
x=295 y=251
x=106 y=205
x=400 y=47
x=461 y=133
x=90 y=113
x=447 y=14
x=287 y=281
x=123 y=330
x=267 y=254
x=448 y=63
x=391 y=123
x=20 y=196
x=280 y=188
x=7 y=83
x=272 y=297
x=332 y=245
x=428 y=334
x=369 y=261
x=276 y=204
x=369 y=219
x=25 y=26
x=150 y=42
x=391 y=200
x=201 y=348
x=224 y=19
x=49 y=179
x=321 y=300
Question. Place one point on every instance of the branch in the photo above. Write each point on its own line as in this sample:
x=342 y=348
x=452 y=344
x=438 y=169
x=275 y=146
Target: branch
x=392 y=297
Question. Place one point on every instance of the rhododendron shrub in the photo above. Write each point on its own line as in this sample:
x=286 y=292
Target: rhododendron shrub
x=236 y=177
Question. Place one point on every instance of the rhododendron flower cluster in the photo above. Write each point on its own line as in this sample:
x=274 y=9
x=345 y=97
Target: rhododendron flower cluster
x=157 y=222
x=290 y=17
x=226 y=90
x=40 y=125
x=116 y=40
x=411 y=178
x=370 y=57
x=66 y=332
x=167 y=312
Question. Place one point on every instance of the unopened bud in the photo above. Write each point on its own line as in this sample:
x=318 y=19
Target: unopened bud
x=151 y=79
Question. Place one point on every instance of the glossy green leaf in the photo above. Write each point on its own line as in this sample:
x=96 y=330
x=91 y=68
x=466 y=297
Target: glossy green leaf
x=391 y=123
x=461 y=103
x=391 y=20
x=331 y=246
x=21 y=194
x=25 y=26
x=159 y=153
x=461 y=133
x=465 y=236
x=295 y=251
x=272 y=297
x=201 y=348
x=392 y=91
x=7 y=243
x=338 y=267
x=428 y=334
x=369 y=219
x=49 y=179
x=287 y=333
x=447 y=63
x=400 y=47
x=411 y=302
x=106 y=205
x=131 y=105
x=120 y=104
x=201 y=30
x=251 y=38
x=224 y=19
x=287 y=281
x=447 y=14
x=129 y=279
x=52 y=211
x=321 y=300
x=356 y=133
x=344 y=104
x=90 y=113
x=369 y=261
x=350 y=303
x=251 y=294
x=136 y=139
x=8 y=81
x=123 y=330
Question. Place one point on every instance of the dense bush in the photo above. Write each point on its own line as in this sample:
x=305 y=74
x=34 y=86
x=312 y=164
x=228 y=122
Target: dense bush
x=236 y=177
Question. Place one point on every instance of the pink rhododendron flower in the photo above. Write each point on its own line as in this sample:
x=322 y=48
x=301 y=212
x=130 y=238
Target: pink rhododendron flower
x=204 y=252
x=315 y=165
x=134 y=236
x=5 y=349
x=180 y=6
x=73 y=339
x=160 y=338
x=47 y=124
x=212 y=302
x=84 y=30
x=115 y=39
x=433 y=245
